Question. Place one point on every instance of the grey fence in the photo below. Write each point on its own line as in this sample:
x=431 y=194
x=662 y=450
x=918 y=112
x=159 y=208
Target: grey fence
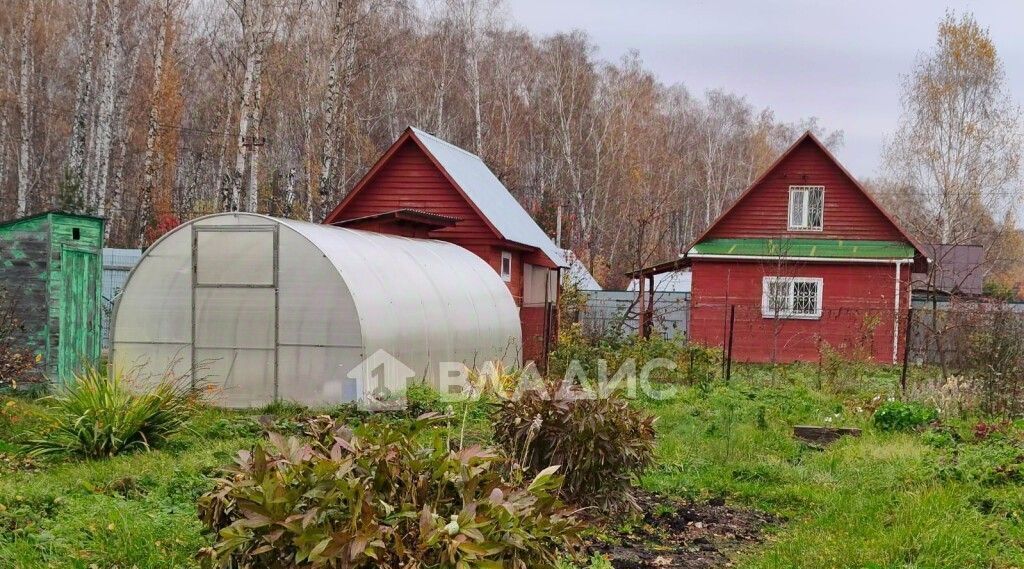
x=942 y=332
x=117 y=263
x=609 y=311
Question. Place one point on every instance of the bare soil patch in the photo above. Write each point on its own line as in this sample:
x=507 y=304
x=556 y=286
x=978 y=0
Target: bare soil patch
x=679 y=534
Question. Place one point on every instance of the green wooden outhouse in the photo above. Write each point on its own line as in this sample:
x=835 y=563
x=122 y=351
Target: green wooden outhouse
x=51 y=269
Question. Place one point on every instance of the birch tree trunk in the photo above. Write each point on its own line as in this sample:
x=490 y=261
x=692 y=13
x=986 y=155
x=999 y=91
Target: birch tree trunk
x=330 y=108
x=24 y=96
x=254 y=139
x=472 y=23
x=344 y=107
x=116 y=194
x=220 y=177
x=152 y=131
x=289 y=193
x=308 y=152
x=75 y=170
x=105 y=123
x=3 y=147
x=250 y=13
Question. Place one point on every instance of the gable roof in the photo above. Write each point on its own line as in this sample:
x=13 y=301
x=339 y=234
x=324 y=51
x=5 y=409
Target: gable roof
x=479 y=186
x=51 y=212
x=809 y=136
x=578 y=274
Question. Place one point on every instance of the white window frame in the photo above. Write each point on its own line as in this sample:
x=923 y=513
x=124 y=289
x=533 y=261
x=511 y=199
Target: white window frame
x=804 y=193
x=506 y=266
x=786 y=311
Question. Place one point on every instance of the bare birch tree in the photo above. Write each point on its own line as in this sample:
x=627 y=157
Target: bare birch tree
x=958 y=148
x=166 y=15
x=75 y=169
x=257 y=20
x=98 y=184
x=24 y=108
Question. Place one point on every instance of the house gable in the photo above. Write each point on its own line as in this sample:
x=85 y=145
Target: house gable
x=406 y=178
x=424 y=173
x=762 y=210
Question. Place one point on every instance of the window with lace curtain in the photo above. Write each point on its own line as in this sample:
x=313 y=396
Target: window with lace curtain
x=806 y=208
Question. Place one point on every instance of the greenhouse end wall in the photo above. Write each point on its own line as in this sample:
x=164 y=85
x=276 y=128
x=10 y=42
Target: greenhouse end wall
x=266 y=309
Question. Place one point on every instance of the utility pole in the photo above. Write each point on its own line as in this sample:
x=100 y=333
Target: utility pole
x=558 y=227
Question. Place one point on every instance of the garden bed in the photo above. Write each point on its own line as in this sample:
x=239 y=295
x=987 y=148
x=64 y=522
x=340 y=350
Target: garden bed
x=674 y=533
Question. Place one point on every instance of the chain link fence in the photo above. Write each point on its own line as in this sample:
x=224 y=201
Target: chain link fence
x=117 y=263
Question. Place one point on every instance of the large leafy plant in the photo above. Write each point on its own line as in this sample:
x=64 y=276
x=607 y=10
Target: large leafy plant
x=390 y=494
x=96 y=416
x=600 y=443
x=900 y=416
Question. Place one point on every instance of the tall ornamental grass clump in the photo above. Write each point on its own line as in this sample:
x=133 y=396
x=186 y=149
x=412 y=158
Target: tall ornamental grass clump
x=389 y=494
x=601 y=444
x=98 y=415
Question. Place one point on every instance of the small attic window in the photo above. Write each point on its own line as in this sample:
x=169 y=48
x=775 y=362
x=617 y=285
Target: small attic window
x=506 y=266
x=76 y=233
x=806 y=208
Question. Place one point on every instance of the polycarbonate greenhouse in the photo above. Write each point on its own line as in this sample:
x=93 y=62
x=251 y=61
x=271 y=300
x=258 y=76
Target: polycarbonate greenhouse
x=274 y=309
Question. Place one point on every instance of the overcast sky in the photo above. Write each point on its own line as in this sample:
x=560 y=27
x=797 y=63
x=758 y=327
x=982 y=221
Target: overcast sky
x=841 y=61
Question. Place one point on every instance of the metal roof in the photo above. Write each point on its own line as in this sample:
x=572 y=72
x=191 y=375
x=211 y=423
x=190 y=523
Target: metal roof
x=672 y=281
x=819 y=248
x=489 y=195
x=957 y=269
x=578 y=273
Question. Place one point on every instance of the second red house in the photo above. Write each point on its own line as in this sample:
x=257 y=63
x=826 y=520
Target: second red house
x=804 y=261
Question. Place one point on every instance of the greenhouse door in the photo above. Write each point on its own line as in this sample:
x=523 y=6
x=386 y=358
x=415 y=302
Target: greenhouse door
x=235 y=312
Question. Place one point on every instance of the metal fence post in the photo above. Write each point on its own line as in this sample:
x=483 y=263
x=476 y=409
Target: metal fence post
x=732 y=327
x=906 y=350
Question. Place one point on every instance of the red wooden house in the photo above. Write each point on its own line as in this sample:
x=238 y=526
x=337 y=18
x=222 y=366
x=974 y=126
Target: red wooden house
x=803 y=259
x=425 y=187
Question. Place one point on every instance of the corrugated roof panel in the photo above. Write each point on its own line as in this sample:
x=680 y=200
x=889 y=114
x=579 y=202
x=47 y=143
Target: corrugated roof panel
x=816 y=248
x=578 y=273
x=490 y=196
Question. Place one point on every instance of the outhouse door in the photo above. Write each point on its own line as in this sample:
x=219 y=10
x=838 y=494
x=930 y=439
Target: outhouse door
x=79 y=340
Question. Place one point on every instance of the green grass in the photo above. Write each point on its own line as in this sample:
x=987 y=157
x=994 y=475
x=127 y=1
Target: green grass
x=883 y=500
x=131 y=510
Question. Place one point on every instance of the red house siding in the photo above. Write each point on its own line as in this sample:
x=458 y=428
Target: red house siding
x=763 y=212
x=857 y=310
x=859 y=314
x=410 y=180
x=535 y=321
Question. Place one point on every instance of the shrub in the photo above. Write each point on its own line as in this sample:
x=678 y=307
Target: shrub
x=601 y=444
x=702 y=364
x=377 y=497
x=900 y=416
x=16 y=361
x=97 y=416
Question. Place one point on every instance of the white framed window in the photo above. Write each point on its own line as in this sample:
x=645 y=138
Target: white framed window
x=506 y=266
x=806 y=208
x=791 y=297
